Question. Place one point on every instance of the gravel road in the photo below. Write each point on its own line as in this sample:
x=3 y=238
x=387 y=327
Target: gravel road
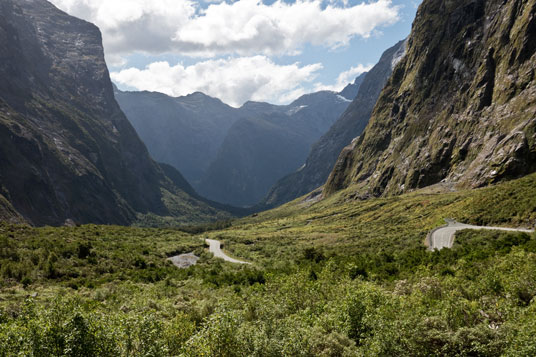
x=184 y=261
x=215 y=248
x=443 y=237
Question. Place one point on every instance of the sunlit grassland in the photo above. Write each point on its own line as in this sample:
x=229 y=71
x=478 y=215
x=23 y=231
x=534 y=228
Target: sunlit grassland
x=343 y=225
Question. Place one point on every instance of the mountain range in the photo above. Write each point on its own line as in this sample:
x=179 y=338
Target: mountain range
x=350 y=125
x=454 y=104
x=270 y=142
x=232 y=155
x=184 y=132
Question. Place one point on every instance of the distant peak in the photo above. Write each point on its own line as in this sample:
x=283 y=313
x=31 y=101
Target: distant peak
x=254 y=104
x=198 y=94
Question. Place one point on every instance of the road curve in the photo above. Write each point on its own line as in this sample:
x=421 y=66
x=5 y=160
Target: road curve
x=215 y=248
x=443 y=237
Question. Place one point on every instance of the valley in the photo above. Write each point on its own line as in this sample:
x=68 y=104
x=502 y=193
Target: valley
x=394 y=217
x=361 y=267
x=232 y=155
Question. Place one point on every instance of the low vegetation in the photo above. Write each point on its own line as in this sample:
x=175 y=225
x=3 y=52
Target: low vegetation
x=342 y=277
x=344 y=224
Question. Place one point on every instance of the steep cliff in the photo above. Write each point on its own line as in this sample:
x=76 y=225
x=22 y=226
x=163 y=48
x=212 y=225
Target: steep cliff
x=325 y=151
x=66 y=149
x=351 y=90
x=460 y=107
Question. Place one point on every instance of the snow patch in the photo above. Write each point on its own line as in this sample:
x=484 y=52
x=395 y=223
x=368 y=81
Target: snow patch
x=343 y=99
x=294 y=110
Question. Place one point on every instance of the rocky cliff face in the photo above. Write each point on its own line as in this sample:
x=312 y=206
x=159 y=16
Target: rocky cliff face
x=351 y=90
x=267 y=143
x=66 y=149
x=325 y=151
x=460 y=107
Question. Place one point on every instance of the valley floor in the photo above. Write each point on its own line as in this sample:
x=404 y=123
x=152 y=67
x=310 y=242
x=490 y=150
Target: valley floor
x=341 y=277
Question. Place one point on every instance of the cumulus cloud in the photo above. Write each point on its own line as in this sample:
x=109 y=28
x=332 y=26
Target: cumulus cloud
x=250 y=32
x=233 y=80
x=344 y=78
x=133 y=25
x=250 y=26
x=244 y=27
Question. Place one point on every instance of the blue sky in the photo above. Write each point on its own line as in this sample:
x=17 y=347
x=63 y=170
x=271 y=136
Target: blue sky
x=365 y=51
x=243 y=50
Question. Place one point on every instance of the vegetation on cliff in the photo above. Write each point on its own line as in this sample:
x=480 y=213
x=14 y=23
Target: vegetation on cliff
x=459 y=106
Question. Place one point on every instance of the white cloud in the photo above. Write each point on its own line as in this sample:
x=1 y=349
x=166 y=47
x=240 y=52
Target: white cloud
x=344 y=78
x=233 y=80
x=244 y=27
x=249 y=26
x=133 y=25
x=248 y=31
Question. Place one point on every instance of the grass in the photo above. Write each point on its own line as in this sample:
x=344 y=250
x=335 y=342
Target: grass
x=343 y=225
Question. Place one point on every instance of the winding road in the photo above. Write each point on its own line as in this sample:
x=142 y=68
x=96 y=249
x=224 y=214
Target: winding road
x=215 y=248
x=443 y=237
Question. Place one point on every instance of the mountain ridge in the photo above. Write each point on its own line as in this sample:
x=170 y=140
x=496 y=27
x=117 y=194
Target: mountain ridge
x=268 y=143
x=198 y=135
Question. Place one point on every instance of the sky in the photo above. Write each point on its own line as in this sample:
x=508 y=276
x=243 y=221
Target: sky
x=243 y=50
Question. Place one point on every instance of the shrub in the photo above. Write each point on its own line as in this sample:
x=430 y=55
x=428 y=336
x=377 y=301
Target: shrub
x=84 y=250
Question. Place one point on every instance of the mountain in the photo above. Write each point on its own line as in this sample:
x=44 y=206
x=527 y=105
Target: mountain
x=351 y=90
x=232 y=155
x=8 y=213
x=185 y=132
x=325 y=151
x=266 y=144
x=66 y=149
x=460 y=107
